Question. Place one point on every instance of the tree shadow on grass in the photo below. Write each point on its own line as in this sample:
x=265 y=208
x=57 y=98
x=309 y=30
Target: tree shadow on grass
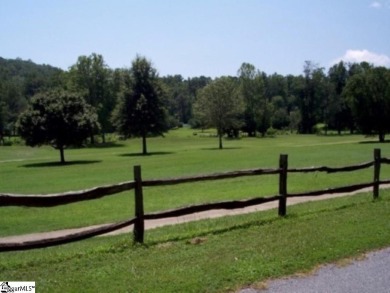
x=224 y=148
x=146 y=155
x=220 y=231
x=105 y=145
x=59 y=164
x=374 y=142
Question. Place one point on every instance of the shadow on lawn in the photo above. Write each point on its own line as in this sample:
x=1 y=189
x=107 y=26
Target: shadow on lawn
x=224 y=148
x=146 y=155
x=58 y=164
x=374 y=142
x=106 y=145
x=293 y=216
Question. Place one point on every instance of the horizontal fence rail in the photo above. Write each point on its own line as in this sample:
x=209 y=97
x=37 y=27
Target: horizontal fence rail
x=343 y=189
x=137 y=185
x=215 y=176
x=51 y=200
x=225 y=205
x=85 y=234
x=332 y=170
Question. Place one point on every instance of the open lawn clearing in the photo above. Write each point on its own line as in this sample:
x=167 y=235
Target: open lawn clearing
x=220 y=255
x=178 y=154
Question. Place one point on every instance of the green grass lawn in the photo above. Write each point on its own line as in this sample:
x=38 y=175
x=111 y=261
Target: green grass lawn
x=181 y=153
x=220 y=255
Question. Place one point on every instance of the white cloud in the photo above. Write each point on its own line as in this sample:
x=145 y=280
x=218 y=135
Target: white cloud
x=380 y=4
x=357 y=56
x=376 y=4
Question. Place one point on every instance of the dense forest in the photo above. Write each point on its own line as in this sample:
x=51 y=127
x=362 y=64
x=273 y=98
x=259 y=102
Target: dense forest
x=348 y=97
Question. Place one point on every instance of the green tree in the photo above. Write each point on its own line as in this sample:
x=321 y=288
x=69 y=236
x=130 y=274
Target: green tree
x=338 y=113
x=294 y=88
x=14 y=103
x=57 y=118
x=295 y=120
x=368 y=94
x=275 y=85
x=92 y=78
x=280 y=118
x=2 y=119
x=312 y=99
x=19 y=81
x=177 y=99
x=251 y=90
x=140 y=111
x=220 y=106
x=194 y=85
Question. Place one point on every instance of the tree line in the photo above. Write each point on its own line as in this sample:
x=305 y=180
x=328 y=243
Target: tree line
x=137 y=102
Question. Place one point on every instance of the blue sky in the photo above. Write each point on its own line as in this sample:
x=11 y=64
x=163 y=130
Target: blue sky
x=198 y=37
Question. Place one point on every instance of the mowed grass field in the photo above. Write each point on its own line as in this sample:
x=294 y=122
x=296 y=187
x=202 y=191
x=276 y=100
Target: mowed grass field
x=219 y=255
x=27 y=170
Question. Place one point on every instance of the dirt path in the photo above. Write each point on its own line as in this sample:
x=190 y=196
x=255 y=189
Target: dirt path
x=151 y=224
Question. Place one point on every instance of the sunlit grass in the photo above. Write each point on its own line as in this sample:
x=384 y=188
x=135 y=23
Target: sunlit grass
x=221 y=255
x=180 y=153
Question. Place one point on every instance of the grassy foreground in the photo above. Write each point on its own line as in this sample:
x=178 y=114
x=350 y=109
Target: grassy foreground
x=221 y=255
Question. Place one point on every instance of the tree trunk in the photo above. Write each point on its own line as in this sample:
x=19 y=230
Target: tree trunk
x=220 y=140
x=381 y=137
x=144 y=148
x=62 y=154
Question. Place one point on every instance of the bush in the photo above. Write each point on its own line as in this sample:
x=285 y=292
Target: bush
x=320 y=128
x=271 y=132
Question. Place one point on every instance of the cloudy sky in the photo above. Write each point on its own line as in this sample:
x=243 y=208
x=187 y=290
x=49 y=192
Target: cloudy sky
x=198 y=37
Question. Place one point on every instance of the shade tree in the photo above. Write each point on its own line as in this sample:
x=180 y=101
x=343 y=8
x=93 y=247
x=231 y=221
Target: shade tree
x=368 y=94
x=311 y=100
x=252 y=91
x=338 y=114
x=140 y=111
x=57 y=118
x=92 y=78
x=219 y=106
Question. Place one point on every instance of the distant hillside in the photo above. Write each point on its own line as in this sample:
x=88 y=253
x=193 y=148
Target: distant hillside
x=28 y=75
x=19 y=80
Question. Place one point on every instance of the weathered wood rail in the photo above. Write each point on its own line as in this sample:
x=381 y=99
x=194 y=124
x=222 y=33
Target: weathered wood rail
x=138 y=183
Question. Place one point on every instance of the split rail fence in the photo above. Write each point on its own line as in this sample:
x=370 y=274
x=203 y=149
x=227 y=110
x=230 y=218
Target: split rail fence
x=140 y=217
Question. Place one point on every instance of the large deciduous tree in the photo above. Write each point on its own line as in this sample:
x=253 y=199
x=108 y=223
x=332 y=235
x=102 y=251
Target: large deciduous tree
x=92 y=78
x=251 y=89
x=220 y=106
x=312 y=100
x=140 y=112
x=57 y=118
x=368 y=94
x=337 y=112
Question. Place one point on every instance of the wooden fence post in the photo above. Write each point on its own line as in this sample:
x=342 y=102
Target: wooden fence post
x=139 y=226
x=377 y=170
x=283 y=165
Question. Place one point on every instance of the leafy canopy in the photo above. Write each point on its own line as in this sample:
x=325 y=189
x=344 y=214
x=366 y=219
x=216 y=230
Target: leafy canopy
x=57 y=118
x=368 y=94
x=219 y=106
x=140 y=112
